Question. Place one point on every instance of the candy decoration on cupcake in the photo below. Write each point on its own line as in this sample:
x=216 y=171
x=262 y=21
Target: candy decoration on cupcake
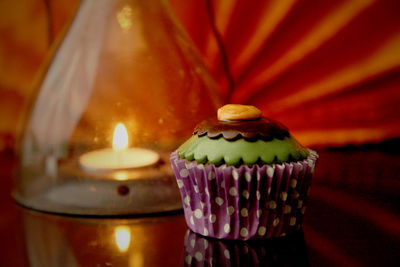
x=240 y=121
x=236 y=112
x=243 y=176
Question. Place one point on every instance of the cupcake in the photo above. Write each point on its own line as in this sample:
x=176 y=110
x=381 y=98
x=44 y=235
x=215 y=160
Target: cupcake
x=243 y=176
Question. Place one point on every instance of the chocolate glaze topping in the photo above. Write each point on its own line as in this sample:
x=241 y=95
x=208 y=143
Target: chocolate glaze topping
x=262 y=128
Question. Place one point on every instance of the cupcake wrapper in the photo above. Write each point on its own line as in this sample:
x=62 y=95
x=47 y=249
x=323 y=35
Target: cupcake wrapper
x=244 y=202
x=202 y=251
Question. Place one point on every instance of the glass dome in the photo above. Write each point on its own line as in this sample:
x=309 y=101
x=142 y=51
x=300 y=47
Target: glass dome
x=124 y=87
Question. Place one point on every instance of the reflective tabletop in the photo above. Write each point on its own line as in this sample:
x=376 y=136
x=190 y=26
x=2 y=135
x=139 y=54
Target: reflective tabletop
x=352 y=219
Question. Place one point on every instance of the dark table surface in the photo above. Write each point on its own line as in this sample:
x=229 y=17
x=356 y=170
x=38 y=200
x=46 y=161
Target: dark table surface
x=352 y=219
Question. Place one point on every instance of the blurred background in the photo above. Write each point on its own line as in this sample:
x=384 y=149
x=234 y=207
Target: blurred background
x=330 y=70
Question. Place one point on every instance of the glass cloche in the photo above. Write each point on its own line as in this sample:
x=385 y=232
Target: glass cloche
x=124 y=87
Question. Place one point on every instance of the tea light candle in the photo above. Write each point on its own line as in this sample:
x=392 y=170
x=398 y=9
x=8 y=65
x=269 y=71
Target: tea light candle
x=118 y=157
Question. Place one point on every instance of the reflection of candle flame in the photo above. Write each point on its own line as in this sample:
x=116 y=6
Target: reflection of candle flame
x=121 y=176
x=122 y=237
x=120 y=137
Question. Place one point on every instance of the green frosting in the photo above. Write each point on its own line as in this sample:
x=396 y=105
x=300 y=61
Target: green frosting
x=220 y=151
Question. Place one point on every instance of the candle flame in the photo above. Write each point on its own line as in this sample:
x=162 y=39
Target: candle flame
x=120 y=137
x=122 y=238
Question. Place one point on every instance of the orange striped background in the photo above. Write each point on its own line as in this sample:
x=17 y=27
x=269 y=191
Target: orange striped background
x=329 y=70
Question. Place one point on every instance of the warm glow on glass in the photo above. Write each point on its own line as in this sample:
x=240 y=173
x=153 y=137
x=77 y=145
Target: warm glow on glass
x=122 y=238
x=124 y=17
x=120 y=137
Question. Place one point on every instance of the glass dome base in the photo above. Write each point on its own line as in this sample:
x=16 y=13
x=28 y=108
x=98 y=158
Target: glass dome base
x=99 y=198
x=118 y=193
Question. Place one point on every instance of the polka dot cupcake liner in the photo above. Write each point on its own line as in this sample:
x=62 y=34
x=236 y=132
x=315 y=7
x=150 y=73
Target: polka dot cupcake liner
x=244 y=202
x=201 y=251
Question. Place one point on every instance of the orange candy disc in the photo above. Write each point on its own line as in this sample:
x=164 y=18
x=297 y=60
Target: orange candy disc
x=236 y=112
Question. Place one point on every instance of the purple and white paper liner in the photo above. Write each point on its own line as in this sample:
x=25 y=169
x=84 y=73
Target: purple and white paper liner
x=230 y=202
x=202 y=251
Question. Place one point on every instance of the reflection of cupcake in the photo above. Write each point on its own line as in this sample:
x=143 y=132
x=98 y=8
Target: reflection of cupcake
x=243 y=176
x=287 y=251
